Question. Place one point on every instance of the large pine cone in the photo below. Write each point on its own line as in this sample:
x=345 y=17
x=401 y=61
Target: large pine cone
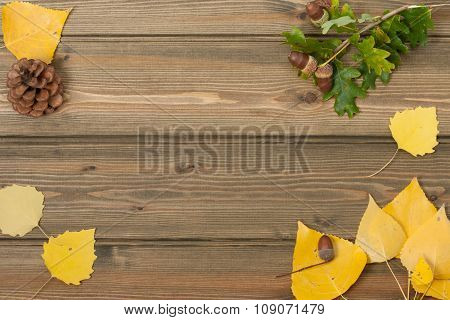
x=35 y=87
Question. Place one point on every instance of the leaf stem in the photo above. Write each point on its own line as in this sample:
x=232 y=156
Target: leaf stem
x=384 y=167
x=388 y=15
x=40 y=289
x=304 y=268
x=396 y=280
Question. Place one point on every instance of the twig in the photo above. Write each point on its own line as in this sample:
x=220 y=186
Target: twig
x=388 y=15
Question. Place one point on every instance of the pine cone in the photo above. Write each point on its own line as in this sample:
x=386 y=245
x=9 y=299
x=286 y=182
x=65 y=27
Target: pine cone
x=34 y=87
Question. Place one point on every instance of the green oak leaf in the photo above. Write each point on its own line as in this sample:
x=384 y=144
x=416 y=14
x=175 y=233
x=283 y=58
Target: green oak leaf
x=380 y=36
x=346 y=11
x=339 y=22
x=419 y=21
x=321 y=50
x=374 y=58
x=365 y=17
x=345 y=90
x=394 y=25
x=370 y=77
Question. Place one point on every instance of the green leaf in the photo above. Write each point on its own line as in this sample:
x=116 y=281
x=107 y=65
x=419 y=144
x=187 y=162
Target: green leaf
x=370 y=77
x=380 y=36
x=365 y=17
x=345 y=11
x=345 y=90
x=374 y=58
x=419 y=21
x=394 y=25
x=339 y=22
x=321 y=50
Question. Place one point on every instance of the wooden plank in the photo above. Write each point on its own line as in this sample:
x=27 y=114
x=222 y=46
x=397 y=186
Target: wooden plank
x=212 y=17
x=96 y=183
x=178 y=270
x=119 y=85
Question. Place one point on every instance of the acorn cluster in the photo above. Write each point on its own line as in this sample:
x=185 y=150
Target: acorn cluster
x=307 y=64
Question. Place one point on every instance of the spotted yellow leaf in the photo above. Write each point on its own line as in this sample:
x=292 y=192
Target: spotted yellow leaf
x=31 y=31
x=70 y=256
x=432 y=242
x=439 y=289
x=411 y=208
x=379 y=235
x=329 y=280
x=20 y=209
x=415 y=130
x=422 y=274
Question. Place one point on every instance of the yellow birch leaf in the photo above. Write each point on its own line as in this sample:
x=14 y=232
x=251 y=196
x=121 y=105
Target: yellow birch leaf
x=415 y=130
x=331 y=279
x=411 y=208
x=439 y=289
x=432 y=242
x=379 y=235
x=422 y=274
x=20 y=209
x=31 y=31
x=70 y=256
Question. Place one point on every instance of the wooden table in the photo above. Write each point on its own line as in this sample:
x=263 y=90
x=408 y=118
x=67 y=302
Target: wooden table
x=206 y=227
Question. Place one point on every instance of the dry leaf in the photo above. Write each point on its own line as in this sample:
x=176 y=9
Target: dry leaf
x=422 y=274
x=432 y=242
x=20 y=209
x=411 y=208
x=415 y=130
x=329 y=280
x=31 y=31
x=379 y=235
x=70 y=256
x=439 y=289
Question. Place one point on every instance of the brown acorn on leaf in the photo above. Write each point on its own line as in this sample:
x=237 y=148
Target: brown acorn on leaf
x=306 y=63
x=324 y=78
x=35 y=88
x=317 y=12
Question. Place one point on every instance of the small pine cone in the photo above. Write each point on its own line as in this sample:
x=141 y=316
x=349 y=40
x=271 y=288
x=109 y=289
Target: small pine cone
x=35 y=88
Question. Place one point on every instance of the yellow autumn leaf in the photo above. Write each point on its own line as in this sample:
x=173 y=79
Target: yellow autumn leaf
x=411 y=208
x=432 y=242
x=20 y=209
x=415 y=130
x=328 y=280
x=422 y=281
x=422 y=274
x=70 y=256
x=439 y=289
x=379 y=235
x=31 y=31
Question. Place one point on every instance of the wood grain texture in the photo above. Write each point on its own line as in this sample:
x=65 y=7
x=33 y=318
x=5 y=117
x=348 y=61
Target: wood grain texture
x=119 y=85
x=97 y=183
x=177 y=270
x=206 y=17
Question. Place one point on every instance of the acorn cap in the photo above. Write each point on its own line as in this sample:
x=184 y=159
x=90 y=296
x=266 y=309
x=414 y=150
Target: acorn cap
x=324 y=72
x=310 y=67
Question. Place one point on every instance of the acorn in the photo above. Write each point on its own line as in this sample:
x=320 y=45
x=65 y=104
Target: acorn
x=326 y=250
x=324 y=78
x=317 y=13
x=306 y=63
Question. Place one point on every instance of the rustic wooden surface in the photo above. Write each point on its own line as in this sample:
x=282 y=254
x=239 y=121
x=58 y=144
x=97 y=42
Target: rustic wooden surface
x=191 y=231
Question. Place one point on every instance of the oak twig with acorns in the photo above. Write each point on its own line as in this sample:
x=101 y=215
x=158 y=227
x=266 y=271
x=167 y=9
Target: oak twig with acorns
x=379 y=42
